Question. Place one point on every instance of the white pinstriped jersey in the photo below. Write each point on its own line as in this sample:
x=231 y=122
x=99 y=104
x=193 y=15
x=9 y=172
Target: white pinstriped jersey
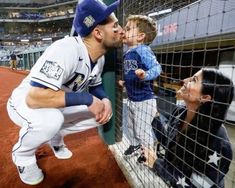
x=70 y=71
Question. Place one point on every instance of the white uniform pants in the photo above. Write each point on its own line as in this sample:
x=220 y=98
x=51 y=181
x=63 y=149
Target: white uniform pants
x=38 y=126
x=140 y=116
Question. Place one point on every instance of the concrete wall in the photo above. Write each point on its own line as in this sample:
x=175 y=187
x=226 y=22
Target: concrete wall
x=201 y=19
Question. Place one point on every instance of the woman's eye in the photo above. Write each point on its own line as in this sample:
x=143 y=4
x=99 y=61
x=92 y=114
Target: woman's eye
x=194 y=79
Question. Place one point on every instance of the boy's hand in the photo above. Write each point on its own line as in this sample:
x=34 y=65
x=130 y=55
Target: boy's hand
x=140 y=73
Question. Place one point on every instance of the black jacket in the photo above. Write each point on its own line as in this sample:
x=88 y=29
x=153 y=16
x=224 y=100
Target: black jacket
x=194 y=166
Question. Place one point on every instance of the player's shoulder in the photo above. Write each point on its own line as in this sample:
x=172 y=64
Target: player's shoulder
x=67 y=42
x=71 y=45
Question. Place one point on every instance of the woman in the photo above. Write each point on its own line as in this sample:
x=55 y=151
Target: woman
x=197 y=149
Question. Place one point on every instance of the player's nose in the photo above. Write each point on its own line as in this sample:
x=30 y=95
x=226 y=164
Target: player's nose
x=121 y=31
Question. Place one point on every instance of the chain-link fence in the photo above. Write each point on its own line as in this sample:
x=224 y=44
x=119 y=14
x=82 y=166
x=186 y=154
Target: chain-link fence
x=191 y=151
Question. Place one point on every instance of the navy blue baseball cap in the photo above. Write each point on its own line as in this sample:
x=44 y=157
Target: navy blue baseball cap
x=89 y=13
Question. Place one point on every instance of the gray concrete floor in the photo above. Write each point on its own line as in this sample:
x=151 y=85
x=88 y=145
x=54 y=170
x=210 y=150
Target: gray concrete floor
x=137 y=175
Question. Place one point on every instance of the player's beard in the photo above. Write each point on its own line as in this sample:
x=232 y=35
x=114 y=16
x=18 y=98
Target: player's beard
x=113 y=44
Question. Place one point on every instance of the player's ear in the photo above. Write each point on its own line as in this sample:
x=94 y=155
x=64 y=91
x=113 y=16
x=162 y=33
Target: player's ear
x=97 y=32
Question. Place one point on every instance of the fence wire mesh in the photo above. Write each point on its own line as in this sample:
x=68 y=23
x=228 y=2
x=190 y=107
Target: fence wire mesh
x=196 y=152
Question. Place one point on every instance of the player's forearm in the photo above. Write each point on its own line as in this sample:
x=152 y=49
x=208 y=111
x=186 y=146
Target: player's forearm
x=45 y=98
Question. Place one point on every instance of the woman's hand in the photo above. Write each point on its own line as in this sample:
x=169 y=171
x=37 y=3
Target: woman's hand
x=150 y=156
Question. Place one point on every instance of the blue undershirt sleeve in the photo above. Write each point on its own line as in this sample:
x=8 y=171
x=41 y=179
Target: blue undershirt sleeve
x=98 y=91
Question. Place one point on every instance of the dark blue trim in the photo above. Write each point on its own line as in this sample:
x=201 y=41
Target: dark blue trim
x=46 y=82
x=36 y=84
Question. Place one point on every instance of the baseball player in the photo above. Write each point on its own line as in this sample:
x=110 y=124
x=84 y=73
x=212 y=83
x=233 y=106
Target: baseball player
x=63 y=93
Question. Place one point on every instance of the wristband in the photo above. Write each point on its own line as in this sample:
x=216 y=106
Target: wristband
x=74 y=99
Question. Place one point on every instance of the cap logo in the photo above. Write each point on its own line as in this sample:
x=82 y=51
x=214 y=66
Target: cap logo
x=89 y=21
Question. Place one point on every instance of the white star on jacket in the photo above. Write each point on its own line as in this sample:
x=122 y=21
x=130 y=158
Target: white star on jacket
x=182 y=182
x=214 y=158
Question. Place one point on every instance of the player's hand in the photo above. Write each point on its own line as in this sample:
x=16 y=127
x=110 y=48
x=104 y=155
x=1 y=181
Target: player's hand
x=140 y=73
x=97 y=108
x=107 y=112
x=121 y=83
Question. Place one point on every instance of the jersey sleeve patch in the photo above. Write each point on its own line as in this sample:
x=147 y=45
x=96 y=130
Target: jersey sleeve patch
x=52 y=70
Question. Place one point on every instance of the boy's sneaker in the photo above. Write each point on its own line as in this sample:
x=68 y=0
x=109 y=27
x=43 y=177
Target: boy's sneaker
x=31 y=175
x=61 y=152
x=132 y=149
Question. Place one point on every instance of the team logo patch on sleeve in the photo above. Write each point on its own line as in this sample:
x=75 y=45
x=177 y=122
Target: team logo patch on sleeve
x=52 y=70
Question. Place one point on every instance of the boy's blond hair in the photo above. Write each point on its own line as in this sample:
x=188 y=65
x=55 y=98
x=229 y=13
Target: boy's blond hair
x=146 y=25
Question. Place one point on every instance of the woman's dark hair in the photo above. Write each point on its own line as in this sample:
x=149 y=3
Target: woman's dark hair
x=221 y=90
x=207 y=120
